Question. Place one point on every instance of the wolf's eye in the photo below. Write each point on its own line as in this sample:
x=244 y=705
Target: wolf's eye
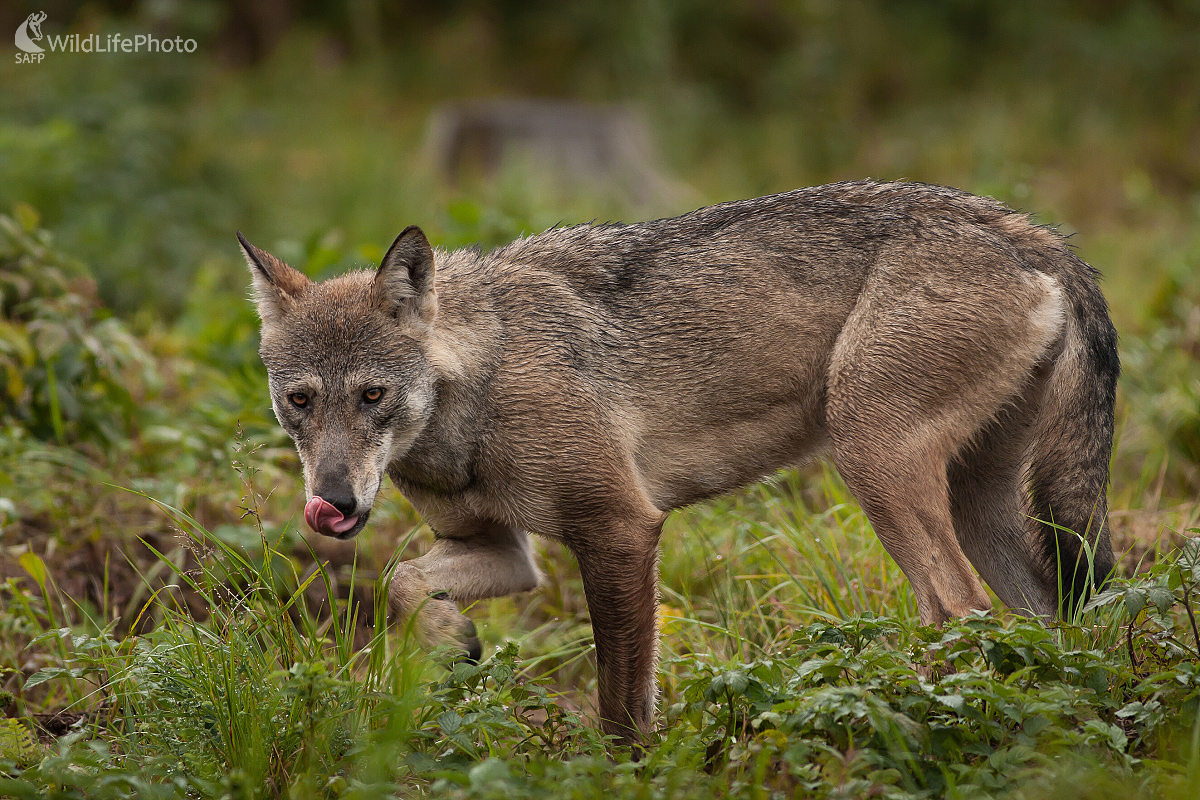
x=373 y=395
x=298 y=399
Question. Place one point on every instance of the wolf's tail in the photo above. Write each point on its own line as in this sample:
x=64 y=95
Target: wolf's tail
x=1073 y=436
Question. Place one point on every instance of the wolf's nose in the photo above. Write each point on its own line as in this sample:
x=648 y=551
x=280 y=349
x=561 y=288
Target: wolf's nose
x=344 y=504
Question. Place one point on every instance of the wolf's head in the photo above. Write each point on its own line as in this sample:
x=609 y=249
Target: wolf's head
x=350 y=380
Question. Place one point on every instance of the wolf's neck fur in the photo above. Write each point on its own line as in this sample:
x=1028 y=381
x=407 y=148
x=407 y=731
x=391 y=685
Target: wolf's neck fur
x=462 y=346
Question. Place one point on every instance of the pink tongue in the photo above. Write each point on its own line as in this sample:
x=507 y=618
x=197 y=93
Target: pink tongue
x=322 y=517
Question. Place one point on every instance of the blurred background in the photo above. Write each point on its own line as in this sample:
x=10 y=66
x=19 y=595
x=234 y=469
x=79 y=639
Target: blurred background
x=320 y=129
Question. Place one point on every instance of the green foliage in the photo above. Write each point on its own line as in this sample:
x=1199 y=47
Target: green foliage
x=17 y=745
x=846 y=706
x=104 y=149
x=258 y=695
x=70 y=371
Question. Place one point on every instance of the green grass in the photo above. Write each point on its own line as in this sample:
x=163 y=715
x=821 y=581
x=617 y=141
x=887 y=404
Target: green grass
x=781 y=677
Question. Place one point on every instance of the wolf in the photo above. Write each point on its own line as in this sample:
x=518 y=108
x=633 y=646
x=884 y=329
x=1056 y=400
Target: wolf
x=955 y=359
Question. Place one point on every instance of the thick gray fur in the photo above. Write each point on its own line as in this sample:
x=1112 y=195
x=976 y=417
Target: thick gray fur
x=956 y=360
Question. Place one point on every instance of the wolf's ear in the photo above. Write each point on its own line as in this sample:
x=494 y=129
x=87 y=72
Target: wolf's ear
x=404 y=281
x=275 y=283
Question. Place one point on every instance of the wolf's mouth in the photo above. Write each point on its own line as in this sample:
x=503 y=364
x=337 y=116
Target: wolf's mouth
x=357 y=528
x=327 y=520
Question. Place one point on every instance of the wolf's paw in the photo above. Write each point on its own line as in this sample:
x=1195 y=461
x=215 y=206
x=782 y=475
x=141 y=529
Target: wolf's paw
x=434 y=616
x=445 y=625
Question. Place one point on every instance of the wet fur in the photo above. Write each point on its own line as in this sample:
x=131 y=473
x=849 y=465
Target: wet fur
x=957 y=361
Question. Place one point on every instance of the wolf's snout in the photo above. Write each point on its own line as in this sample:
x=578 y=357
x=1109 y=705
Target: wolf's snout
x=327 y=518
x=344 y=504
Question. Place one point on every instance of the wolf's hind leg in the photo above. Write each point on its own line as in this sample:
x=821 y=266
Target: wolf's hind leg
x=921 y=367
x=491 y=561
x=904 y=494
x=993 y=517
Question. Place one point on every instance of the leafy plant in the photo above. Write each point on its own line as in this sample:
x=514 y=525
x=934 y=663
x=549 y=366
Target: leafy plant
x=69 y=371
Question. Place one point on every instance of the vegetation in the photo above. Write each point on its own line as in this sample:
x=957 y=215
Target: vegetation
x=166 y=629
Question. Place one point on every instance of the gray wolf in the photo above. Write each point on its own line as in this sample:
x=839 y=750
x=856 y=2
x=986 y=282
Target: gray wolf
x=956 y=360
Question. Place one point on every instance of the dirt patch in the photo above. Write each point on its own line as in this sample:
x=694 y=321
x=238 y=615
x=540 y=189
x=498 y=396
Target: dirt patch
x=1142 y=536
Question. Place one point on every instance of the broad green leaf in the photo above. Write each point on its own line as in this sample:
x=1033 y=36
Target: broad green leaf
x=1135 y=601
x=1036 y=724
x=736 y=681
x=954 y=701
x=32 y=563
x=1162 y=599
x=449 y=721
x=45 y=674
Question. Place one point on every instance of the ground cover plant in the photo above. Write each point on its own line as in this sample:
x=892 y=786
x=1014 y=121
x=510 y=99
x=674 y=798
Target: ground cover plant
x=168 y=630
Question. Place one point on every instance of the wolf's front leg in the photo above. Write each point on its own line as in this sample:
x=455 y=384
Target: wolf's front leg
x=488 y=561
x=619 y=566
